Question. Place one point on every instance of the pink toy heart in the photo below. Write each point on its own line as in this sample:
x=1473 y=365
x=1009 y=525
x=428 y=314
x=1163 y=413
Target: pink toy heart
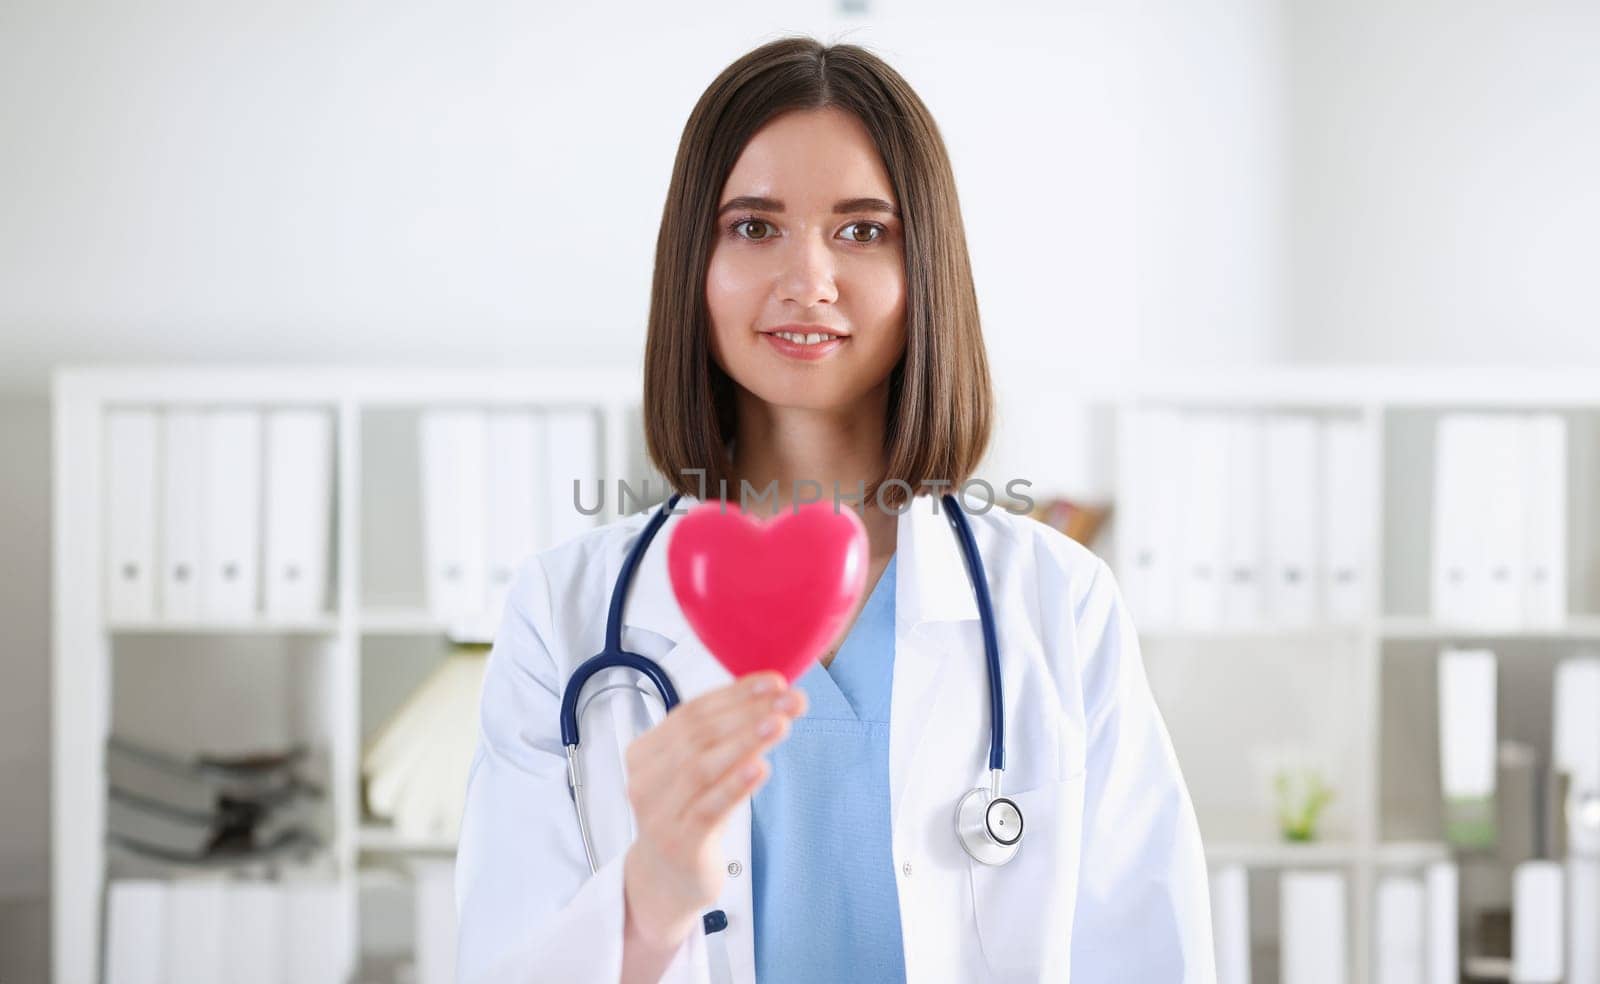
x=768 y=596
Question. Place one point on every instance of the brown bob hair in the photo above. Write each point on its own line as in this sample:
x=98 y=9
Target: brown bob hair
x=940 y=400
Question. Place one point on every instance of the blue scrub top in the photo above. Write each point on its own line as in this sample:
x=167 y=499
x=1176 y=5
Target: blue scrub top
x=826 y=906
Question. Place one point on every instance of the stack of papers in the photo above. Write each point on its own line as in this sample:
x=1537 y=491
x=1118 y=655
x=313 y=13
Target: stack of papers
x=209 y=811
x=416 y=766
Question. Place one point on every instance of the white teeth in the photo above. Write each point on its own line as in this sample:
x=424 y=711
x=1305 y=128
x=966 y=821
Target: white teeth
x=811 y=338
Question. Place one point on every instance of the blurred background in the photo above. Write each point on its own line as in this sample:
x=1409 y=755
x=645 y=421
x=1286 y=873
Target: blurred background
x=1292 y=310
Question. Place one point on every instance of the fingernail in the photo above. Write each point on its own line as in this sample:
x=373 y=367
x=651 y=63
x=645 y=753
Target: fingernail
x=767 y=727
x=784 y=703
x=764 y=685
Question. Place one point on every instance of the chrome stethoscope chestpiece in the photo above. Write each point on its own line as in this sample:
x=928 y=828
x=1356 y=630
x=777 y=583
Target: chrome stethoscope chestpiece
x=989 y=825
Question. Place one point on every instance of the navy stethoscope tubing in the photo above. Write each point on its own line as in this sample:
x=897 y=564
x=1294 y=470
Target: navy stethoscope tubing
x=991 y=641
x=988 y=824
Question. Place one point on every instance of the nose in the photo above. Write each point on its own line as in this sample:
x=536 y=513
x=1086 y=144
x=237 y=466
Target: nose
x=807 y=277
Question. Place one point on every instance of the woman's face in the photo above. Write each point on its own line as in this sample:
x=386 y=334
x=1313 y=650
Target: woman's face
x=808 y=241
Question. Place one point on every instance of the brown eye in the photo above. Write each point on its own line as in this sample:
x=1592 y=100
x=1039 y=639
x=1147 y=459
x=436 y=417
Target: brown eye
x=873 y=230
x=766 y=228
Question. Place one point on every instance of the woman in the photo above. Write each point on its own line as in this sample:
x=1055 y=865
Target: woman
x=813 y=320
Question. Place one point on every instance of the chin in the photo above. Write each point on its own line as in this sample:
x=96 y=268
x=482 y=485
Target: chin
x=803 y=394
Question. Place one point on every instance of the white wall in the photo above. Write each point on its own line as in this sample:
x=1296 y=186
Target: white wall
x=430 y=183
x=1444 y=202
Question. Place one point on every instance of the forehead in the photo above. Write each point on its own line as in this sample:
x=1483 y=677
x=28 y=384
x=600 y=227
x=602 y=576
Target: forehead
x=810 y=157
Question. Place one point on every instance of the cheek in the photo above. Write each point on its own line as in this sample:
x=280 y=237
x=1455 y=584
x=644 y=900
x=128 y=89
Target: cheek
x=730 y=283
x=883 y=303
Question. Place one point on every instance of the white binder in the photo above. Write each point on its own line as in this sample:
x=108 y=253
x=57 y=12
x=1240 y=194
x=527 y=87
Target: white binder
x=572 y=453
x=517 y=509
x=1292 y=509
x=1537 y=919
x=454 y=456
x=1230 y=923
x=196 y=917
x=435 y=920
x=136 y=933
x=231 y=545
x=1312 y=927
x=1544 y=568
x=1500 y=529
x=1400 y=930
x=1468 y=742
x=1444 y=923
x=316 y=925
x=1575 y=735
x=1204 y=481
x=253 y=933
x=131 y=456
x=1153 y=517
x=183 y=518
x=1583 y=919
x=1575 y=741
x=1348 y=514
x=1243 y=550
x=1459 y=501
x=299 y=483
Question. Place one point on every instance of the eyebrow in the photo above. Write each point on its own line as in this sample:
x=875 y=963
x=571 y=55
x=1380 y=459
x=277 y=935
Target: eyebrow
x=756 y=203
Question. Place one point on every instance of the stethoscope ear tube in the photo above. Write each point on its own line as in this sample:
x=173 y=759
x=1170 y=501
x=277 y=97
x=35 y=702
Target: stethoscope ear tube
x=606 y=661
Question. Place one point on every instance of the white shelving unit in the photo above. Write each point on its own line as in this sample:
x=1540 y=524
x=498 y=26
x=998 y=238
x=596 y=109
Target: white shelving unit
x=1372 y=671
x=89 y=648
x=1210 y=682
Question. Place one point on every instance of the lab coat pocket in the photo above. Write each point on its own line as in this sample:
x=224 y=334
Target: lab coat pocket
x=1024 y=908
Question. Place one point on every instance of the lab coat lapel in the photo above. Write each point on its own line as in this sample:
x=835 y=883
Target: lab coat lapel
x=936 y=617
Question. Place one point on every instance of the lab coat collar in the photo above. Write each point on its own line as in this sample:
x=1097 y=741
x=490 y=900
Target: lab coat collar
x=931 y=584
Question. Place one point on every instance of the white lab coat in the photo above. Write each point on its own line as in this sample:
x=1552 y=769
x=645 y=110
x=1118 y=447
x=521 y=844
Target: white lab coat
x=1109 y=883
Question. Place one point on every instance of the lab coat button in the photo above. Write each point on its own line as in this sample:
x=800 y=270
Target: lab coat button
x=735 y=868
x=905 y=869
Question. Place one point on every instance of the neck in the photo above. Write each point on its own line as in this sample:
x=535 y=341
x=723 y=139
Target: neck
x=792 y=447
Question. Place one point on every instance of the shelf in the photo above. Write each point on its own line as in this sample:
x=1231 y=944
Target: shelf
x=419 y=622
x=1395 y=854
x=1283 y=854
x=1260 y=633
x=1412 y=854
x=1577 y=627
x=373 y=838
x=314 y=625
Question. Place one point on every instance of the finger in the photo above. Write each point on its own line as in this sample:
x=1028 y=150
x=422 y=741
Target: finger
x=708 y=729
x=711 y=808
x=709 y=766
x=659 y=755
x=690 y=714
x=746 y=687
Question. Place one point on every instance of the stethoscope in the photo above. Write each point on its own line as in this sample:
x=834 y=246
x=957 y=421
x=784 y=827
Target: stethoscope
x=988 y=825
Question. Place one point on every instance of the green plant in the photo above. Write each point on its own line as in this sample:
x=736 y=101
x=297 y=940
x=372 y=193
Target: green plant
x=1301 y=797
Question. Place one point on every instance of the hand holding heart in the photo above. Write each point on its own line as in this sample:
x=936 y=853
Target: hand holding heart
x=768 y=595
x=766 y=600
